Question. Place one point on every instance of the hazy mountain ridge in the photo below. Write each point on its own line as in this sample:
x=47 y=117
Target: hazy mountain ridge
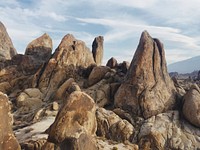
x=185 y=66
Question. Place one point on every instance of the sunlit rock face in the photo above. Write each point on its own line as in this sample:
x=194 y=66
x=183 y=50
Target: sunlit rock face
x=148 y=89
x=7 y=50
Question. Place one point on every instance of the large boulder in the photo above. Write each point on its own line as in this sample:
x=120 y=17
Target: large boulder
x=69 y=58
x=40 y=48
x=7 y=50
x=168 y=131
x=97 y=74
x=97 y=49
x=75 y=118
x=112 y=63
x=191 y=106
x=7 y=138
x=148 y=89
x=100 y=92
x=29 y=100
x=112 y=127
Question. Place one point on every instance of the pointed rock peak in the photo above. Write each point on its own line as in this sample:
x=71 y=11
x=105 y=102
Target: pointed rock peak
x=67 y=40
x=97 y=49
x=2 y=25
x=149 y=78
x=112 y=62
x=145 y=35
x=40 y=48
x=42 y=41
x=7 y=50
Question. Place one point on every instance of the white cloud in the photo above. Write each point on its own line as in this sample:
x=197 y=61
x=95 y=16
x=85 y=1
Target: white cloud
x=175 y=22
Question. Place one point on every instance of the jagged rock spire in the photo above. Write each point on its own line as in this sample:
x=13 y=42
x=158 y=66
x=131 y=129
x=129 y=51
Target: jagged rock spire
x=148 y=89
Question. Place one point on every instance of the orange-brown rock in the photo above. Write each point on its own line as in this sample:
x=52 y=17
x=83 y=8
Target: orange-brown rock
x=40 y=48
x=168 y=131
x=112 y=63
x=76 y=117
x=148 y=89
x=97 y=49
x=191 y=106
x=7 y=50
x=7 y=138
x=112 y=127
x=69 y=57
x=97 y=74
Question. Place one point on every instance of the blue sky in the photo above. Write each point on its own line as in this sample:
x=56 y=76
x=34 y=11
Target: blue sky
x=175 y=22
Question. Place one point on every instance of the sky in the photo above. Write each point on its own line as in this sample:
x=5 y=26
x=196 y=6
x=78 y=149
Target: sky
x=175 y=22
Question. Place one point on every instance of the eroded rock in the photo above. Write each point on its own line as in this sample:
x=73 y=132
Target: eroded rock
x=40 y=48
x=70 y=56
x=75 y=118
x=7 y=138
x=112 y=127
x=7 y=50
x=148 y=89
x=168 y=131
x=191 y=106
x=97 y=50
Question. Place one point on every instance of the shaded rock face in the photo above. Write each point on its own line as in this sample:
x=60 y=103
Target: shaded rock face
x=40 y=48
x=168 y=131
x=112 y=63
x=7 y=50
x=29 y=100
x=97 y=74
x=191 y=106
x=76 y=117
x=148 y=89
x=112 y=127
x=69 y=57
x=97 y=49
x=7 y=138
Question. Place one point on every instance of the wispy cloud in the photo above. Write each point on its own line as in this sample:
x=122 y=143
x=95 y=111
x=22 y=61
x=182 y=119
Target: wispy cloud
x=120 y=22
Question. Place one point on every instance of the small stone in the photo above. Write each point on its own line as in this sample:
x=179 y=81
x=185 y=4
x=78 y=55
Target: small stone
x=55 y=106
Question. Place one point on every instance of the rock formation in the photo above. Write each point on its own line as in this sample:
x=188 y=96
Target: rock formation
x=168 y=131
x=191 y=106
x=97 y=74
x=97 y=49
x=7 y=138
x=7 y=50
x=75 y=119
x=66 y=100
x=70 y=56
x=113 y=127
x=112 y=63
x=40 y=48
x=148 y=89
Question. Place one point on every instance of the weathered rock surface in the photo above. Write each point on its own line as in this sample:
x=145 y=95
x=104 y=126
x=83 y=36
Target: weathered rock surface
x=168 y=131
x=7 y=138
x=7 y=50
x=40 y=48
x=69 y=57
x=148 y=89
x=112 y=127
x=137 y=97
x=112 y=63
x=75 y=118
x=100 y=92
x=97 y=49
x=103 y=144
x=97 y=74
x=191 y=106
x=30 y=99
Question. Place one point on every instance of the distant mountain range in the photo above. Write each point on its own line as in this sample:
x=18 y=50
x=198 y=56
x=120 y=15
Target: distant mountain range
x=185 y=66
